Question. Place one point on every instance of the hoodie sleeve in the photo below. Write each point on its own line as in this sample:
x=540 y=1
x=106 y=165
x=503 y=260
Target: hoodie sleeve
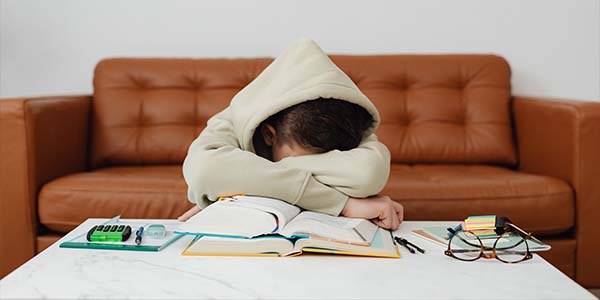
x=216 y=166
x=359 y=173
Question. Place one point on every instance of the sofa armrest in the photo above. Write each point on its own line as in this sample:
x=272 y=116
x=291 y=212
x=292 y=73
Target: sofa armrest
x=561 y=138
x=40 y=139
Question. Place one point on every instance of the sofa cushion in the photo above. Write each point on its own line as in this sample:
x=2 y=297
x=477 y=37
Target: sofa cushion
x=157 y=192
x=540 y=204
x=428 y=192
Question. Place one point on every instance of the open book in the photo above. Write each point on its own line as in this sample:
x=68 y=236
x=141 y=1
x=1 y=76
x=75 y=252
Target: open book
x=246 y=225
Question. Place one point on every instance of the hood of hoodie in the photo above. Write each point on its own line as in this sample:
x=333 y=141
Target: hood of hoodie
x=303 y=72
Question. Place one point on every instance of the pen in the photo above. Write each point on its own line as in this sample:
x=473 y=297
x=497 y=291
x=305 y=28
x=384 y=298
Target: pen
x=413 y=245
x=457 y=228
x=138 y=235
x=403 y=243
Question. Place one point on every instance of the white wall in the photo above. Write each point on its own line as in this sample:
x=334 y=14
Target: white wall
x=51 y=47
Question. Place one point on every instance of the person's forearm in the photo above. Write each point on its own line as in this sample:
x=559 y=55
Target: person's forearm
x=232 y=171
x=359 y=172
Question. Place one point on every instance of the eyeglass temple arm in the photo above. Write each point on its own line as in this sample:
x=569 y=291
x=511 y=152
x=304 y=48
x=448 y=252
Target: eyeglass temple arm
x=465 y=250
x=524 y=233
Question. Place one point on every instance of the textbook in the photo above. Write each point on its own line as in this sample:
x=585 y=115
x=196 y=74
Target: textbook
x=251 y=225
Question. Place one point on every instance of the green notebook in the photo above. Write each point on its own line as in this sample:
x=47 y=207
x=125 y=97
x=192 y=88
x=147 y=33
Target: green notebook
x=440 y=233
x=148 y=244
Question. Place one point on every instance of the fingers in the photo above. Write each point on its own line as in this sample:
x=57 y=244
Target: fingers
x=400 y=212
x=384 y=216
x=395 y=221
x=188 y=214
x=378 y=223
x=391 y=215
x=388 y=219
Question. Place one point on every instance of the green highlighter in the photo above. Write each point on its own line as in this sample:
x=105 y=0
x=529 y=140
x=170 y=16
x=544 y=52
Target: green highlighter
x=109 y=233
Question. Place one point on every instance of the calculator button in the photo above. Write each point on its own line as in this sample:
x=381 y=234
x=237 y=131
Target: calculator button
x=121 y=227
x=114 y=228
x=126 y=233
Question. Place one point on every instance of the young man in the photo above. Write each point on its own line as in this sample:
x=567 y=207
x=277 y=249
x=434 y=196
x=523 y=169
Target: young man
x=301 y=132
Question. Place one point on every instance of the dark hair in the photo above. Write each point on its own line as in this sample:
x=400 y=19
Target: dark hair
x=322 y=125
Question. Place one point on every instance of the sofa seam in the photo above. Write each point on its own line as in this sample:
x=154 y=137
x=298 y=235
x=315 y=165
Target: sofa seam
x=115 y=192
x=499 y=197
x=426 y=199
x=32 y=204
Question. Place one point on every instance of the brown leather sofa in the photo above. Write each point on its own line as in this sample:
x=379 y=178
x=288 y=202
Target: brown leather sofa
x=461 y=145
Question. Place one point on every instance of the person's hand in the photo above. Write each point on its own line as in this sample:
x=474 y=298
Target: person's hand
x=381 y=210
x=190 y=213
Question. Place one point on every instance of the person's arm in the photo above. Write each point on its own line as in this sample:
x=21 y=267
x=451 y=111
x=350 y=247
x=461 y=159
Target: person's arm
x=216 y=166
x=359 y=173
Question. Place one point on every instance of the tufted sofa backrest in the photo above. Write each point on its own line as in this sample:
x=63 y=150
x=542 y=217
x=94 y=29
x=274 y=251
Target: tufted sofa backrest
x=439 y=108
x=434 y=108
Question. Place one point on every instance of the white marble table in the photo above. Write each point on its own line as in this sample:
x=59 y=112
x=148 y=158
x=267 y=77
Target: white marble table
x=59 y=273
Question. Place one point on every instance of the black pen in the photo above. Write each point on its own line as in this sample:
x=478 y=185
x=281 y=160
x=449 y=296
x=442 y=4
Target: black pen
x=415 y=246
x=138 y=235
x=403 y=243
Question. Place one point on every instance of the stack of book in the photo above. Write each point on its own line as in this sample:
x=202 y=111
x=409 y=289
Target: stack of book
x=481 y=226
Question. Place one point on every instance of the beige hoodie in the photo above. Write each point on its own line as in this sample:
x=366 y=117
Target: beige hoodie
x=221 y=161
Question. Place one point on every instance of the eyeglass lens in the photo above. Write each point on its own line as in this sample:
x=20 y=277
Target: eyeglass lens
x=465 y=246
x=511 y=248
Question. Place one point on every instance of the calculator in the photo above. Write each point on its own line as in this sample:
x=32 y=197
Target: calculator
x=109 y=233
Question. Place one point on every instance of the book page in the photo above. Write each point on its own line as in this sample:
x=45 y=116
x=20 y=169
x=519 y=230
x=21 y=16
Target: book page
x=281 y=209
x=382 y=245
x=232 y=221
x=240 y=216
x=339 y=229
x=341 y=222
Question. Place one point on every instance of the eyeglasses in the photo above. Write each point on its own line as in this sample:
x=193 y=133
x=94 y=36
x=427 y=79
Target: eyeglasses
x=510 y=247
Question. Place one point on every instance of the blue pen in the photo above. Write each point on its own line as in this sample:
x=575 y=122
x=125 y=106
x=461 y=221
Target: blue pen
x=138 y=235
x=457 y=228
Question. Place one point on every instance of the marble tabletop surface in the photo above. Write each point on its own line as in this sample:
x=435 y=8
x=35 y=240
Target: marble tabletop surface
x=59 y=273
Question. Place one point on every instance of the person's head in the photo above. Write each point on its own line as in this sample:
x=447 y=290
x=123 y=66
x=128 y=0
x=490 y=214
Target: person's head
x=311 y=127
